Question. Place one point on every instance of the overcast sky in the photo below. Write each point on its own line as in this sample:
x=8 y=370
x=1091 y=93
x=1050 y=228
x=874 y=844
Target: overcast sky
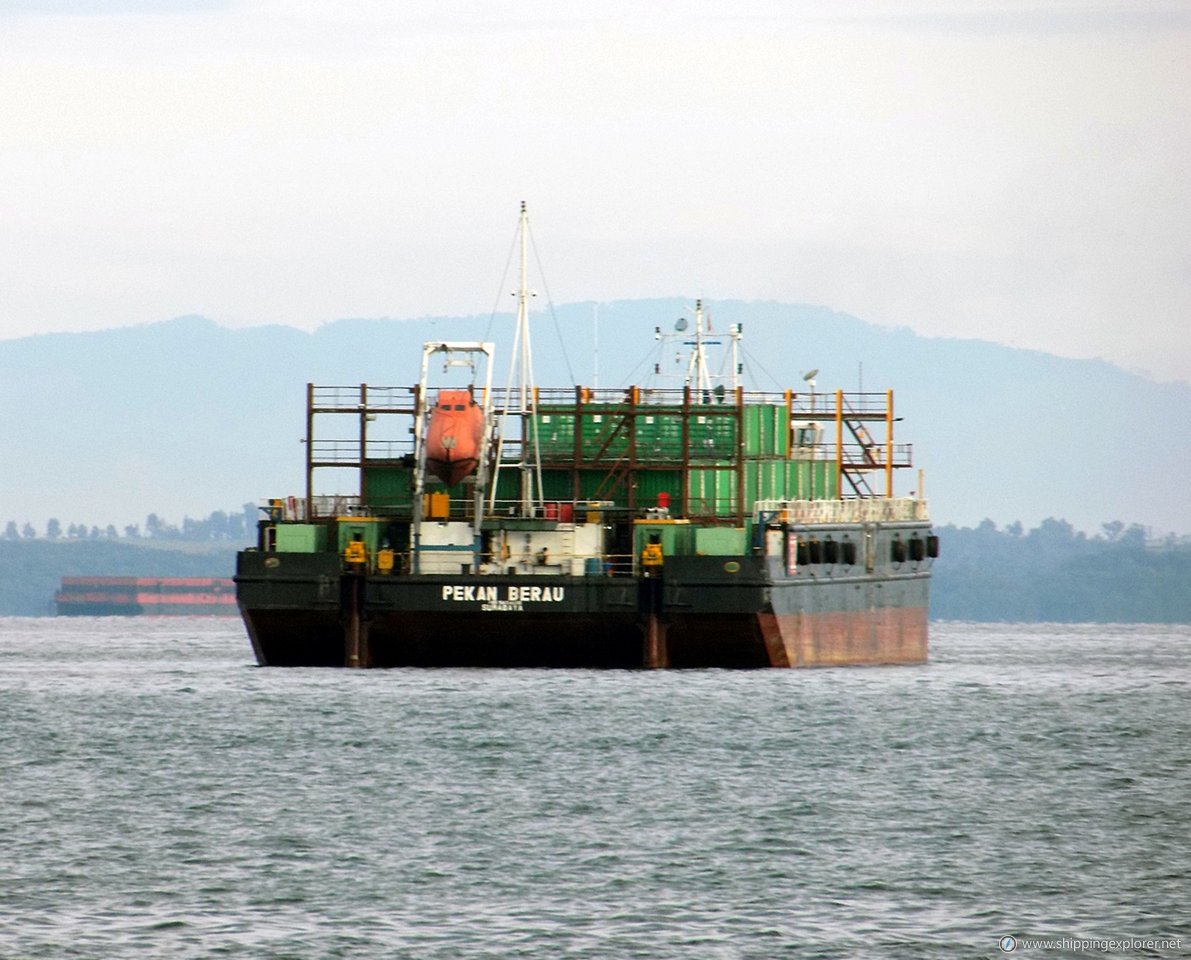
x=1006 y=170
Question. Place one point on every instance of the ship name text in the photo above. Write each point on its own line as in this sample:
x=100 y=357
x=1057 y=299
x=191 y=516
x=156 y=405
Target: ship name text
x=504 y=599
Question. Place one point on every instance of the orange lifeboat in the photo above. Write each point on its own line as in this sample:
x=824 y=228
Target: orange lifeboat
x=454 y=436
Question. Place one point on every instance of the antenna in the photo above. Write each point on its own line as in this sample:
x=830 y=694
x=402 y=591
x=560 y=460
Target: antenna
x=809 y=377
x=595 y=345
x=696 y=374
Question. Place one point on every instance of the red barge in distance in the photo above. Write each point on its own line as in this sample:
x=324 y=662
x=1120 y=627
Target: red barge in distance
x=146 y=596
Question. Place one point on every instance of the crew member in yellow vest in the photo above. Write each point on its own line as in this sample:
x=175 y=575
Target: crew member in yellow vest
x=651 y=556
x=355 y=553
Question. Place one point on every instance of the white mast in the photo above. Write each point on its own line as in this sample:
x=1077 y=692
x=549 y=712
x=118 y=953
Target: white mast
x=696 y=371
x=523 y=316
x=521 y=388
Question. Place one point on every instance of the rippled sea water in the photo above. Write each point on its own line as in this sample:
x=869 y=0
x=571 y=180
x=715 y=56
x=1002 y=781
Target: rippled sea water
x=161 y=796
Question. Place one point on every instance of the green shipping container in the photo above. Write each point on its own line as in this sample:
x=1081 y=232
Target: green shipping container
x=658 y=431
x=301 y=538
x=766 y=430
x=712 y=446
x=721 y=541
x=388 y=486
x=713 y=492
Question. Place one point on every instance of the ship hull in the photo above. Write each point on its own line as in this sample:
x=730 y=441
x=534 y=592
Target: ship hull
x=701 y=612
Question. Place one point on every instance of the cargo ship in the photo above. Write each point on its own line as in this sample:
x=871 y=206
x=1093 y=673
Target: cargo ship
x=696 y=525
x=146 y=596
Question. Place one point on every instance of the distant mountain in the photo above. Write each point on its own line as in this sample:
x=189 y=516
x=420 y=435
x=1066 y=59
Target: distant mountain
x=185 y=417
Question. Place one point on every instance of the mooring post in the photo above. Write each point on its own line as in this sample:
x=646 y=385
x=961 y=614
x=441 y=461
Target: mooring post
x=656 y=656
x=354 y=653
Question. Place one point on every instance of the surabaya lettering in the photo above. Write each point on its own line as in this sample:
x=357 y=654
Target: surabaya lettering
x=470 y=593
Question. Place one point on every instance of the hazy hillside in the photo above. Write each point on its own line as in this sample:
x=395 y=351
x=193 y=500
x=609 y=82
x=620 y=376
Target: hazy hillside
x=185 y=416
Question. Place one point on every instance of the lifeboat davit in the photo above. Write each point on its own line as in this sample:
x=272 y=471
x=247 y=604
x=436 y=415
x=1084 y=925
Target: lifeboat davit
x=454 y=437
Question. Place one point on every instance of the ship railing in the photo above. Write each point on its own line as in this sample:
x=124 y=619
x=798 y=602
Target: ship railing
x=858 y=455
x=347 y=451
x=563 y=511
x=806 y=404
x=670 y=450
x=335 y=451
x=711 y=507
x=865 y=404
x=593 y=565
x=457 y=508
x=803 y=405
x=565 y=397
x=360 y=397
x=337 y=506
x=867 y=510
x=377 y=449
x=295 y=509
x=812 y=451
x=814 y=406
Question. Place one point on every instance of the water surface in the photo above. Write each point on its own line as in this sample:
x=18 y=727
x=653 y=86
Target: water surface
x=162 y=796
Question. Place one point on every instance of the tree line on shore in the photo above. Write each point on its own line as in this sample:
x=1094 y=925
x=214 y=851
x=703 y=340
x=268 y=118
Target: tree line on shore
x=237 y=525
x=1056 y=573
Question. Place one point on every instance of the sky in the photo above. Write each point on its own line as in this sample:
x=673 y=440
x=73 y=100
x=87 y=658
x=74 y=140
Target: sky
x=1010 y=171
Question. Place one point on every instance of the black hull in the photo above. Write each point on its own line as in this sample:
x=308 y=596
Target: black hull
x=703 y=612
